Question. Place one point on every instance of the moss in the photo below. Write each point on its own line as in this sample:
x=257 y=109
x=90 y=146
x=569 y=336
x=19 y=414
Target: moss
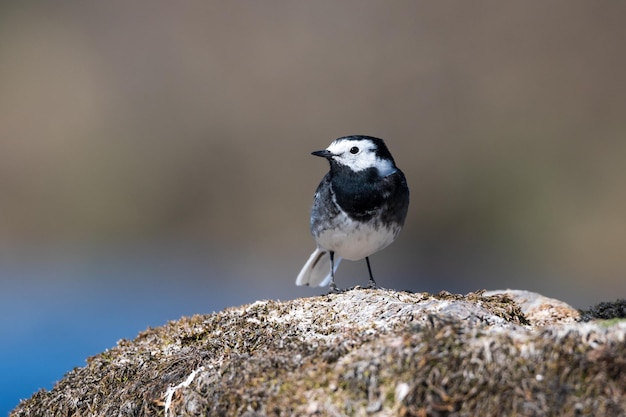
x=611 y=322
x=352 y=354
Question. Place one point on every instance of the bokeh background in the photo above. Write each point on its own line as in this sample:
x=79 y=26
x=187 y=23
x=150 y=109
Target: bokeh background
x=155 y=156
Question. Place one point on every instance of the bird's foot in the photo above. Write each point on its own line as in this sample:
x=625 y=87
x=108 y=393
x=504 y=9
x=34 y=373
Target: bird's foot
x=334 y=289
x=372 y=285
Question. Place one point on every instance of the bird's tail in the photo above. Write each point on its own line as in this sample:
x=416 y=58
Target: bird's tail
x=316 y=271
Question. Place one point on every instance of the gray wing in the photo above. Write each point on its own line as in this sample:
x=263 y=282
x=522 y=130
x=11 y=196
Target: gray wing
x=324 y=208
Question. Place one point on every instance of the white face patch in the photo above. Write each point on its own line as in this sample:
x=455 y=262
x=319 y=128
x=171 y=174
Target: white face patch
x=360 y=154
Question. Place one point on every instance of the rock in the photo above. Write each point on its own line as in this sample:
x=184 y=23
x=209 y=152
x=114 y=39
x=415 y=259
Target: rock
x=538 y=309
x=361 y=352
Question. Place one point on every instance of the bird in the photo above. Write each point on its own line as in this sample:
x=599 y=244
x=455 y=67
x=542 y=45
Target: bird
x=358 y=209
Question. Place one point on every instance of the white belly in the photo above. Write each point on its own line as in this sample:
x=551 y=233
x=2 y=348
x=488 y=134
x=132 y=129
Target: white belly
x=354 y=240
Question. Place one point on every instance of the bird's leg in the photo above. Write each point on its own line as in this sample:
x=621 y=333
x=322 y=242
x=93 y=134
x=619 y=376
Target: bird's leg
x=372 y=283
x=333 y=286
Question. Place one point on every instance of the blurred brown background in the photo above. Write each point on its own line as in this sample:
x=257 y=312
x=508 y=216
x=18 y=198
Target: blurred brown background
x=153 y=153
x=132 y=122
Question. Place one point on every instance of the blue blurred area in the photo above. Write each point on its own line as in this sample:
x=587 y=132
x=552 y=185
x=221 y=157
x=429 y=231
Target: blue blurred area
x=54 y=314
x=57 y=309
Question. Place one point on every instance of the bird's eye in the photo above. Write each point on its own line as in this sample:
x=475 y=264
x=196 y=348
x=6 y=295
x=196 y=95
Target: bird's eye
x=354 y=150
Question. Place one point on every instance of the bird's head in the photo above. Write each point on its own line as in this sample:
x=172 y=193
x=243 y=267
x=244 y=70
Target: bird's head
x=359 y=153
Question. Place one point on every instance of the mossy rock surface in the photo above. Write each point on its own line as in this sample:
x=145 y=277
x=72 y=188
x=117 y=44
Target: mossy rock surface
x=361 y=352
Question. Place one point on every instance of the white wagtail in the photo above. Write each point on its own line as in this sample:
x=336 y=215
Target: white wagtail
x=358 y=209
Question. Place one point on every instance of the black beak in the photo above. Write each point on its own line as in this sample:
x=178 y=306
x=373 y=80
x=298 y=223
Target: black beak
x=324 y=154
